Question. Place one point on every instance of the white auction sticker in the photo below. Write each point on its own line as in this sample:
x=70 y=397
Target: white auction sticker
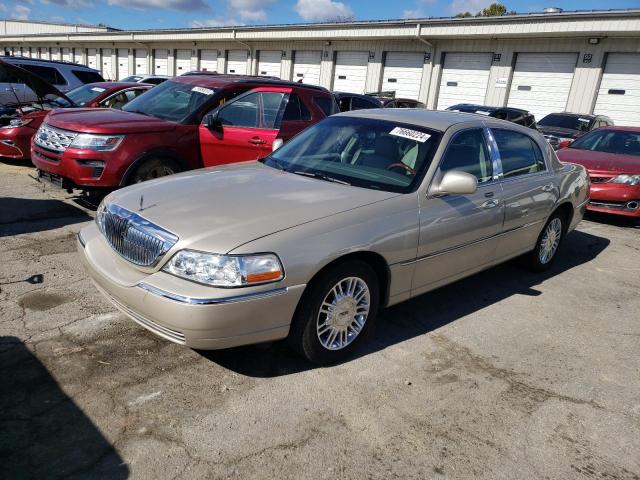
x=410 y=134
x=202 y=90
x=98 y=89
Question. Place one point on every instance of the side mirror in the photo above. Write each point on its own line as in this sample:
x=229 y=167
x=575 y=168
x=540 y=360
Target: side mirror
x=213 y=121
x=564 y=144
x=456 y=182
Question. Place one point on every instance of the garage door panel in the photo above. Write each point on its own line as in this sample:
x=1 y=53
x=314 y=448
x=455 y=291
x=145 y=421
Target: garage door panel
x=161 y=62
x=465 y=77
x=141 y=62
x=123 y=63
x=183 y=61
x=351 y=72
x=541 y=82
x=237 y=62
x=403 y=74
x=619 y=92
x=209 y=60
x=269 y=63
x=306 y=66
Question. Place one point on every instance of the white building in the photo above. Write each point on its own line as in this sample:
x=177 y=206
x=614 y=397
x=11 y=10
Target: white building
x=581 y=62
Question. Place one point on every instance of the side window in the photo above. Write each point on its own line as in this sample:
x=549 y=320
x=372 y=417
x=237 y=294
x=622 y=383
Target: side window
x=86 y=76
x=345 y=104
x=361 y=104
x=326 y=104
x=271 y=102
x=242 y=112
x=49 y=74
x=468 y=152
x=296 y=109
x=519 y=153
x=118 y=101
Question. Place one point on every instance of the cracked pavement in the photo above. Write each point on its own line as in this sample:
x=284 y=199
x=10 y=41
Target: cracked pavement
x=504 y=375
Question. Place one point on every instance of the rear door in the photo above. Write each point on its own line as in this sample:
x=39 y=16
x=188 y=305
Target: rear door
x=247 y=127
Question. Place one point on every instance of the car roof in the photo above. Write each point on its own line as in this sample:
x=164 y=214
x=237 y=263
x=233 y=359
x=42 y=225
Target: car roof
x=215 y=80
x=434 y=119
x=111 y=85
x=355 y=95
x=9 y=58
x=488 y=108
x=581 y=115
x=620 y=129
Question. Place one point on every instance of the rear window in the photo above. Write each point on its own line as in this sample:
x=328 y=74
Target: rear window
x=50 y=74
x=326 y=104
x=610 y=141
x=87 y=76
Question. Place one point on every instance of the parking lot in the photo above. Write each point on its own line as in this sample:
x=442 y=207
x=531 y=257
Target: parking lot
x=503 y=375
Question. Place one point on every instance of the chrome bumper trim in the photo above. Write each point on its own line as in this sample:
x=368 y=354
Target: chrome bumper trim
x=210 y=301
x=81 y=240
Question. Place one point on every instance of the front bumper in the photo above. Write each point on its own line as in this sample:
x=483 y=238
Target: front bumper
x=615 y=198
x=183 y=312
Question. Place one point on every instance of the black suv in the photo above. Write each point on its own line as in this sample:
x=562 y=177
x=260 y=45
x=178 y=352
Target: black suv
x=515 y=115
x=565 y=127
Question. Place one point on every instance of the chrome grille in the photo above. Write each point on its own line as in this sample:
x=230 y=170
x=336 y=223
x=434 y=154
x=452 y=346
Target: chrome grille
x=133 y=237
x=54 y=139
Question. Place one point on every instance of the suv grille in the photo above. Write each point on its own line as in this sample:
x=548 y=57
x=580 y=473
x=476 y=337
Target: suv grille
x=134 y=238
x=54 y=139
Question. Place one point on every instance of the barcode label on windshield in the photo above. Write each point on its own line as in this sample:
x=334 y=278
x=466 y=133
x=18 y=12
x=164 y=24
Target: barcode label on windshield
x=410 y=134
x=202 y=90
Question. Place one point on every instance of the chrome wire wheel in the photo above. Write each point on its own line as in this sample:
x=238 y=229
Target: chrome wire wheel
x=343 y=313
x=550 y=241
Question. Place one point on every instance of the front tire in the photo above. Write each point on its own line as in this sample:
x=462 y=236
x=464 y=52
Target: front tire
x=336 y=314
x=153 y=168
x=544 y=254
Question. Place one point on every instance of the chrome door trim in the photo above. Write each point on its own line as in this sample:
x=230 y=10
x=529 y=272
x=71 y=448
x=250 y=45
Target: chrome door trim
x=210 y=301
x=469 y=244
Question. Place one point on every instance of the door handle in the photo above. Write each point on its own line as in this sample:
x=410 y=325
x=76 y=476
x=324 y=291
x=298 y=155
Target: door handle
x=490 y=204
x=548 y=187
x=257 y=141
x=489 y=195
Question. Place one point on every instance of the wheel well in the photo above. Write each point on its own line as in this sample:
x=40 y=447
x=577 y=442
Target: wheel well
x=566 y=209
x=374 y=260
x=147 y=156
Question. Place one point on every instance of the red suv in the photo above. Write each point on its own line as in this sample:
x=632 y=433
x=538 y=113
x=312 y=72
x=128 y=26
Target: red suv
x=184 y=123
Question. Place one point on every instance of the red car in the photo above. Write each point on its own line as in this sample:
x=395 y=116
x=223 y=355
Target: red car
x=184 y=123
x=18 y=123
x=612 y=157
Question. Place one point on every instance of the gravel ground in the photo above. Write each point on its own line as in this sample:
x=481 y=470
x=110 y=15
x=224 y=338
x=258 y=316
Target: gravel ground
x=505 y=375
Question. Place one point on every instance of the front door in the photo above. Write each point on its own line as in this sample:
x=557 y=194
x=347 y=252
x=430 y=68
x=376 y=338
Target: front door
x=245 y=127
x=459 y=233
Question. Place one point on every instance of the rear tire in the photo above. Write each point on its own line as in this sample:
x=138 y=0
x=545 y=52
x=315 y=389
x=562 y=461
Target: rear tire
x=544 y=254
x=153 y=168
x=336 y=313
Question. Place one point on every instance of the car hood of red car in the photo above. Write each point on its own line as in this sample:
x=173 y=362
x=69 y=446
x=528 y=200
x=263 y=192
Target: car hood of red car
x=601 y=161
x=108 y=121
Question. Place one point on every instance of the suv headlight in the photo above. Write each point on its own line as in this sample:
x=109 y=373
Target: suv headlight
x=225 y=270
x=99 y=143
x=18 y=122
x=626 y=179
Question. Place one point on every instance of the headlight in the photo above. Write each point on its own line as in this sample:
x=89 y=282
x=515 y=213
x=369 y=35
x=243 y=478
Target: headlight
x=18 y=122
x=225 y=270
x=626 y=179
x=99 y=143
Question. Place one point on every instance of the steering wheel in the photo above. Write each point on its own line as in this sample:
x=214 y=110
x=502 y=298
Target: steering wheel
x=405 y=167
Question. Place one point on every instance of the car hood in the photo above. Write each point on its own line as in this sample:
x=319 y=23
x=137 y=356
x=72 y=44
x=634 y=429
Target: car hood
x=99 y=120
x=41 y=87
x=559 y=131
x=601 y=161
x=218 y=209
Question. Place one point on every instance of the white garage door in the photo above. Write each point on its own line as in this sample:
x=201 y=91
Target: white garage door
x=306 y=66
x=619 y=94
x=541 y=82
x=123 y=63
x=45 y=54
x=183 y=61
x=77 y=56
x=66 y=55
x=403 y=74
x=237 y=62
x=209 y=60
x=464 y=79
x=92 y=58
x=141 y=66
x=351 y=72
x=107 y=64
x=160 y=62
x=55 y=53
x=269 y=63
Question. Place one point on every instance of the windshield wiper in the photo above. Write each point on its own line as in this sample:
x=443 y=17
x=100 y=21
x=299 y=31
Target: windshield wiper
x=320 y=176
x=140 y=112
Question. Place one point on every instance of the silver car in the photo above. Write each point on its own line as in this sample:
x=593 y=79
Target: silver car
x=361 y=211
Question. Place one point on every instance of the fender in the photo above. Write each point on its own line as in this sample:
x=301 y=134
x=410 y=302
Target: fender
x=158 y=152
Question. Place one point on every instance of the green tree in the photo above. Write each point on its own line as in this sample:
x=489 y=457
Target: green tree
x=464 y=15
x=493 y=10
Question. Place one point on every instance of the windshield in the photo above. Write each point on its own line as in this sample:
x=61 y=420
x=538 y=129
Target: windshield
x=363 y=152
x=610 y=141
x=80 y=96
x=132 y=78
x=173 y=101
x=566 y=121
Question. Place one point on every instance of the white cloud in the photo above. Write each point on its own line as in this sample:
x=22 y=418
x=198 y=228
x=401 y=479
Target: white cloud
x=161 y=4
x=3 y=7
x=473 y=6
x=70 y=3
x=20 y=12
x=416 y=13
x=215 y=22
x=249 y=10
x=322 y=10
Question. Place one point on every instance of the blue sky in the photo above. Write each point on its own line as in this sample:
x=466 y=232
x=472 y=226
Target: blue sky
x=141 y=14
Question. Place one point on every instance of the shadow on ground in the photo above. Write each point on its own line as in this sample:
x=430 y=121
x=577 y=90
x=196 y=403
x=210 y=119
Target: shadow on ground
x=422 y=314
x=43 y=433
x=28 y=215
x=613 y=220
